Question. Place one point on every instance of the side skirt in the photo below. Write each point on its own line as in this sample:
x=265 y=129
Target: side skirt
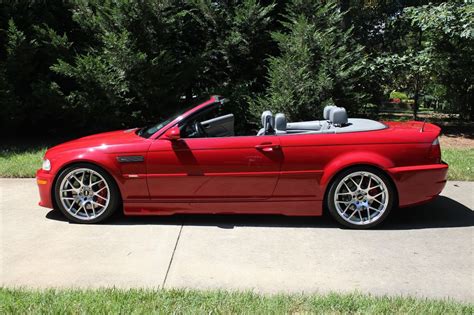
x=289 y=208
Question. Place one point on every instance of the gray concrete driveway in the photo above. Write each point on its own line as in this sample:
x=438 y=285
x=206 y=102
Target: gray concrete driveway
x=423 y=251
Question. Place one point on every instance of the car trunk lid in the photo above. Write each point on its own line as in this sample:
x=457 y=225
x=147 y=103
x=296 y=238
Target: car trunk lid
x=419 y=125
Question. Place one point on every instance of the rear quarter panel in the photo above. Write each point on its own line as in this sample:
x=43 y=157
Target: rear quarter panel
x=312 y=160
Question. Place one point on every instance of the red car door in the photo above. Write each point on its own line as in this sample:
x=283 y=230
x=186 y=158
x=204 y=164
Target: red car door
x=226 y=168
x=305 y=158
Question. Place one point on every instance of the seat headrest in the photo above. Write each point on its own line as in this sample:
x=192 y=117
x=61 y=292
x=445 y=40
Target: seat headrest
x=327 y=111
x=280 y=122
x=338 y=116
x=266 y=114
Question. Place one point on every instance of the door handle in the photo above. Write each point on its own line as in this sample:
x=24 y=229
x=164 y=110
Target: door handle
x=267 y=147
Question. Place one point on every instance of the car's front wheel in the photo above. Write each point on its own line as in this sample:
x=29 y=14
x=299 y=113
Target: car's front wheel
x=360 y=197
x=86 y=194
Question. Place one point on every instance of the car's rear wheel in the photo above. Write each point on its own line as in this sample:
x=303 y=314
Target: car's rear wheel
x=360 y=197
x=86 y=194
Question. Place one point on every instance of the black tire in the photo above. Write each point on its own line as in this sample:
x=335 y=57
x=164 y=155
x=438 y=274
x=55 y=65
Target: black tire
x=330 y=200
x=114 y=194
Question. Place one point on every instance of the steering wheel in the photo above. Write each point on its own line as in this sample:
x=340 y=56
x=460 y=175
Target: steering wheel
x=199 y=129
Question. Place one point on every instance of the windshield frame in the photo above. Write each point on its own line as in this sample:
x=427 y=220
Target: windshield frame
x=144 y=132
x=176 y=118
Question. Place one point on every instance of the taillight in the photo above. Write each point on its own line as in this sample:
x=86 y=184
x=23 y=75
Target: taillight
x=435 y=151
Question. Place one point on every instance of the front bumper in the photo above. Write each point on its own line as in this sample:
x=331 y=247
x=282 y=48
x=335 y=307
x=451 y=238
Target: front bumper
x=419 y=184
x=44 y=180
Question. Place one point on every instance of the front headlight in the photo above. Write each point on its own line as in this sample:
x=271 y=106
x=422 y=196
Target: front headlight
x=46 y=165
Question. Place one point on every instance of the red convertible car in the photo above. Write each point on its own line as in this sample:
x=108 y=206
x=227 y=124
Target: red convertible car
x=193 y=162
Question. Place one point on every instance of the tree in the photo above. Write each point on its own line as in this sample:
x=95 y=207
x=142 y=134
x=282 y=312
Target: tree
x=430 y=50
x=237 y=37
x=127 y=71
x=84 y=66
x=147 y=57
x=28 y=94
x=448 y=33
x=101 y=65
x=410 y=71
x=318 y=63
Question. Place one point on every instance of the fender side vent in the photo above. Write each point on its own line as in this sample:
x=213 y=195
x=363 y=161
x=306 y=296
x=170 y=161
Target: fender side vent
x=130 y=159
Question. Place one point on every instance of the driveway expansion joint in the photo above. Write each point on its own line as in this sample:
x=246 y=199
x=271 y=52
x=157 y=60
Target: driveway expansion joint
x=172 y=256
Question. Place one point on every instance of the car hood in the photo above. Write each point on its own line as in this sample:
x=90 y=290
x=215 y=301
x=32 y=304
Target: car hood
x=103 y=140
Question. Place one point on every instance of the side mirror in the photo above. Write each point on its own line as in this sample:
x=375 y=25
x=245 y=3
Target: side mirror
x=172 y=134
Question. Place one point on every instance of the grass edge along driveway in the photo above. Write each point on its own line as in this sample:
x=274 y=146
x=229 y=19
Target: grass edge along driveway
x=142 y=301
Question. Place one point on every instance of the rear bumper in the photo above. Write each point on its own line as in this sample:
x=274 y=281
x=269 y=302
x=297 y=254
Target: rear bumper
x=420 y=183
x=44 y=180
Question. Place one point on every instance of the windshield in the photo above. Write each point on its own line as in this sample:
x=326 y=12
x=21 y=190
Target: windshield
x=148 y=131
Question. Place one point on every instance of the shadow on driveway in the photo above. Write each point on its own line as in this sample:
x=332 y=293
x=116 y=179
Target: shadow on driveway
x=443 y=212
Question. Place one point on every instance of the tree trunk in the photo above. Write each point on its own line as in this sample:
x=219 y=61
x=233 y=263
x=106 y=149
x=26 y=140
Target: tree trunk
x=470 y=103
x=416 y=103
x=189 y=94
x=417 y=82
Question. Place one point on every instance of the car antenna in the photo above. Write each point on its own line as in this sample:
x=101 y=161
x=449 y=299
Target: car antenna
x=423 y=126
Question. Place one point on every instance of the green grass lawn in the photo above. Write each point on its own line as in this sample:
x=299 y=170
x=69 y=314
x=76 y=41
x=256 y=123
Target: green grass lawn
x=16 y=162
x=115 y=301
x=20 y=162
x=461 y=163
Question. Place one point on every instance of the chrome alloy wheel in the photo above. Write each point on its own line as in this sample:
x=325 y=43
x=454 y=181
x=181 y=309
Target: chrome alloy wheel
x=361 y=198
x=84 y=193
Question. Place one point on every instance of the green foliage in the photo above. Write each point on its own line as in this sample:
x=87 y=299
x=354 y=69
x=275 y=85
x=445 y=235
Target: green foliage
x=114 y=64
x=237 y=40
x=449 y=34
x=84 y=66
x=29 y=45
x=399 y=95
x=451 y=19
x=369 y=110
x=433 y=55
x=318 y=63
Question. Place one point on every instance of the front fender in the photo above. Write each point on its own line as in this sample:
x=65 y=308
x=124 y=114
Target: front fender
x=131 y=187
x=96 y=157
x=102 y=159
